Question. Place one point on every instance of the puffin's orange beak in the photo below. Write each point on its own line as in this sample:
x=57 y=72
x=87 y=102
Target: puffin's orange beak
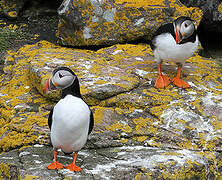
x=50 y=86
x=47 y=86
x=178 y=39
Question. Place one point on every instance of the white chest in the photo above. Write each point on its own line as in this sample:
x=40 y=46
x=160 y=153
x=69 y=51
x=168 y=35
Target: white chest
x=70 y=124
x=168 y=49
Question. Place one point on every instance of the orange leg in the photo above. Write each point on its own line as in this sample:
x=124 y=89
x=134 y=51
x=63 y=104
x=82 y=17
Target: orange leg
x=162 y=81
x=72 y=166
x=55 y=164
x=179 y=82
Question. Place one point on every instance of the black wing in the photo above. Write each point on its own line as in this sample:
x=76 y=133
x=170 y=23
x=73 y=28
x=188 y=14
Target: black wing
x=50 y=118
x=166 y=28
x=91 y=123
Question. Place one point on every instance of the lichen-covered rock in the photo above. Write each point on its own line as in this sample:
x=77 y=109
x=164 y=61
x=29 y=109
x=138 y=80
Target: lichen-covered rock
x=212 y=9
x=9 y=171
x=90 y=22
x=178 y=131
x=11 y=8
x=127 y=162
x=101 y=75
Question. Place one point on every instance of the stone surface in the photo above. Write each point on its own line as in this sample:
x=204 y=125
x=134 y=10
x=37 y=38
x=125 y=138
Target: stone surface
x=90 y=22
x=110 y=163
x=212 y=9
x=11 y=8
x=140 y=131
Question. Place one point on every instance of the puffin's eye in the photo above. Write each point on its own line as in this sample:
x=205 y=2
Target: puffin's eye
x=186 y=25
x=60 y=75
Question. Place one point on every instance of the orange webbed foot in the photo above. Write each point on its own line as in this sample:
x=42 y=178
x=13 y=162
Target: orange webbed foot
x=55 y=165
x=180 y=83
x=162 y=82
x=73 y=167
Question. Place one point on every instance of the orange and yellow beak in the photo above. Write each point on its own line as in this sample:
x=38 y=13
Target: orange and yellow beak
x=50 y=85
x=47 y=86
x=179 y=35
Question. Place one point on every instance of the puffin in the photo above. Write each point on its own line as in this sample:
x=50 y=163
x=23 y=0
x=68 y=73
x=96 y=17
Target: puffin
x=176 y=41
x=70 y=120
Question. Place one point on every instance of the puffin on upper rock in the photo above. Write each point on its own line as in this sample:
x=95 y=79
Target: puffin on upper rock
x=71 y=120
x=176 y=41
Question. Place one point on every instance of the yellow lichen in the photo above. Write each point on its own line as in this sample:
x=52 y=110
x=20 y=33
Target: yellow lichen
x=12 y=13
x=4 y=171
x=141 y=3
x=119 y=126
x=31 y=177
x=20 y=131
x=220 y=8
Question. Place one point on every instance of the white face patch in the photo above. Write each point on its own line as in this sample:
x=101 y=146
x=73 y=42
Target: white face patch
x=63 y=79
x=187 y=29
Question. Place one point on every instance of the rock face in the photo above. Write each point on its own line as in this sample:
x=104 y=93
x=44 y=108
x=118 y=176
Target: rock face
x=212 y=9
x=109 y=163
x=139 y=132
x=11 y=8
x=92 y=22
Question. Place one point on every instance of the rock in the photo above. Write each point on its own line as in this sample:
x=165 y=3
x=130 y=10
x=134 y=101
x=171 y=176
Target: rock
x=125 y=162
x=89 y=22
x=140 y=131
x=11 y=8
x=212 y=9
x=100 y=78
x=9 y=171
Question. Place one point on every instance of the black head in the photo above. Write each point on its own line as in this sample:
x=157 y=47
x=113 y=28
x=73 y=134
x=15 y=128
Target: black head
x=65 y=79
x=183 y=28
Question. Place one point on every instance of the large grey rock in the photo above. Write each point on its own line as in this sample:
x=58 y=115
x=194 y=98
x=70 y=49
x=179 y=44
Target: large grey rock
x=212 y=9
x=124 y=162
x=91 y=22
x=178 y=130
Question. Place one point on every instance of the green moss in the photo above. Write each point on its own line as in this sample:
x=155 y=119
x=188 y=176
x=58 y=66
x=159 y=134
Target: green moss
x=5 y=37
x=8 y=37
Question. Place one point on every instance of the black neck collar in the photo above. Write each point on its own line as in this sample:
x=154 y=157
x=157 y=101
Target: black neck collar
x=74 y=89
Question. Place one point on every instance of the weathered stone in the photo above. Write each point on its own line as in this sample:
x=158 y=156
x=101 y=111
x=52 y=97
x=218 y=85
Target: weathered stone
x=99 y=78
x=9 y=171
x=89 y=22
x=212 y=9
x=181 y=125
x=126 y=162
x=11 y=8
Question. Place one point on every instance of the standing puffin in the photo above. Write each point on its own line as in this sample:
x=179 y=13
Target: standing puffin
x=176 y=41
x=71 y=120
